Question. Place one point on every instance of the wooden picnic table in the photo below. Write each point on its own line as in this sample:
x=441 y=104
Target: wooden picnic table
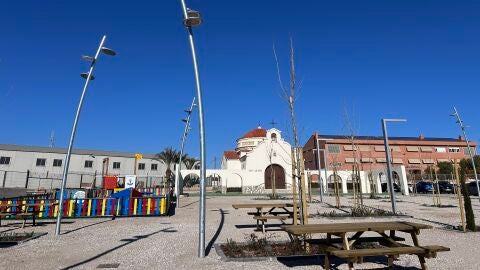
x=276 y=211
x=23 y=210
x=344 y=246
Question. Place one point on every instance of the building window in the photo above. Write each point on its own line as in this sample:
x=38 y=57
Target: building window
x=441 y=149
x=412 y=148
x=116 y=165
x=4 y=160
x=454 y=149
x=364 y=148
x=274 y=137
x=333 y=148
x=141 y=166
x=57 y=163
x=88 y=164
x=154 y=167
x=41 y=162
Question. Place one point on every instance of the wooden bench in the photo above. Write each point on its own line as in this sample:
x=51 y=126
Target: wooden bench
x=24 y=211
x=3 y=215
x=356 y=255
x=264 y=219
x=23 y=215
x=347 y=247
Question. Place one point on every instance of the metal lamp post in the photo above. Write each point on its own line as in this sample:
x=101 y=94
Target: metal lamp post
x=325 y=164
x=88 y=76
x=470 y=152
x=318 y=150
x=192 y=19
x=184 y=138
x=388 y=157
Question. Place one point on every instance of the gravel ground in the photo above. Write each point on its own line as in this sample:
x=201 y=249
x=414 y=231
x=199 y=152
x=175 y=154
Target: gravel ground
x=171 y=242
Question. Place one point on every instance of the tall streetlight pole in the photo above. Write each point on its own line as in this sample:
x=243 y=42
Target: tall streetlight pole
x=191 y=19
x=88 y=76
x=184 y=138
x=470 y=152
x=388 y=157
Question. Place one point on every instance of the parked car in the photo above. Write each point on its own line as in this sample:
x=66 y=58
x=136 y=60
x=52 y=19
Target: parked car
x=472 y=188
x=424 y=187
x=445 y=187
x=395 y=187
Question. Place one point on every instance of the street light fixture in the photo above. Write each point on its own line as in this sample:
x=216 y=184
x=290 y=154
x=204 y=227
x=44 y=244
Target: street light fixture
x=192 y=19
x=88 y=76
x=470 y=152
x=85 y=76
x=184 y=138
x=388 y=157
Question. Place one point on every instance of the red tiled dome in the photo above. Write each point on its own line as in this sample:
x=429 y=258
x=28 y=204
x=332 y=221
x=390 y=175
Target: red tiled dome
x=259 y=132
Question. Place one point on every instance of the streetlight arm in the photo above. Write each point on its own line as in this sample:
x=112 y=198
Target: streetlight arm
x=470 y=152
x=72 y=137
x=184 y=138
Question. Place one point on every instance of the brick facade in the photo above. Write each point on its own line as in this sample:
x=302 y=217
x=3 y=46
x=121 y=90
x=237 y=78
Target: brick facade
x=415 y=153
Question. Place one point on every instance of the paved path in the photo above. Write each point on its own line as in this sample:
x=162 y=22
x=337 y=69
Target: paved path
x=171 y=242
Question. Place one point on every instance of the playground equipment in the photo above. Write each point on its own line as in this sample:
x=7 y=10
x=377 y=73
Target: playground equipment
x=85 y=203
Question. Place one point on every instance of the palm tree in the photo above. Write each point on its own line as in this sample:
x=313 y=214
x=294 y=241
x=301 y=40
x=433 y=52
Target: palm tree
x=189 y=162
x=169 y=156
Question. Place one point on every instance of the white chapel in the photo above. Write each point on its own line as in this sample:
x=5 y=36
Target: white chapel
x=259 y=156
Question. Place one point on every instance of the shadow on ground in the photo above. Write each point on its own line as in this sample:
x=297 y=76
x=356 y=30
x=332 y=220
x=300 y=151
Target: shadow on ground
x=335 y=263
x=217 y=233
x=127 y=242
x=86 y=226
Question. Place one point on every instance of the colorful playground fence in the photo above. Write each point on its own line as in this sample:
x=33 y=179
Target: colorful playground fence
x=96 y=207
x=105 y=193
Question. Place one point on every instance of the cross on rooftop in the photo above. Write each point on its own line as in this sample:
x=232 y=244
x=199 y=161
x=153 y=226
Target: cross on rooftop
x=273 y=123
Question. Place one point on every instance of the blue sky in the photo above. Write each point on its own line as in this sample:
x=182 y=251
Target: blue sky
x=411 y=58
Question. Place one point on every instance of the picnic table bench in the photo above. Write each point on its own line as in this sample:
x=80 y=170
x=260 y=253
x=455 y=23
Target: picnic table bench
x=276 y=211
x=345 y=247
x=24 y=210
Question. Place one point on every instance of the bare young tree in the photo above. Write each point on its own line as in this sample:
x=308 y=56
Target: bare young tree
x=290 y=96
x=351 y=129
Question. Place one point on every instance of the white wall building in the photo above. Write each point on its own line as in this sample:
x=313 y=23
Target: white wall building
x=44 y=166
x=260 y=156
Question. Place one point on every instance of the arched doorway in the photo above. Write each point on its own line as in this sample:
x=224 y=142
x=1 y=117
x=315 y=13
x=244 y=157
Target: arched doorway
x=314 y=181
x=274 y=173
x=233 y=183
x=331 y=183
x=351 y=180
x=191 y=180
